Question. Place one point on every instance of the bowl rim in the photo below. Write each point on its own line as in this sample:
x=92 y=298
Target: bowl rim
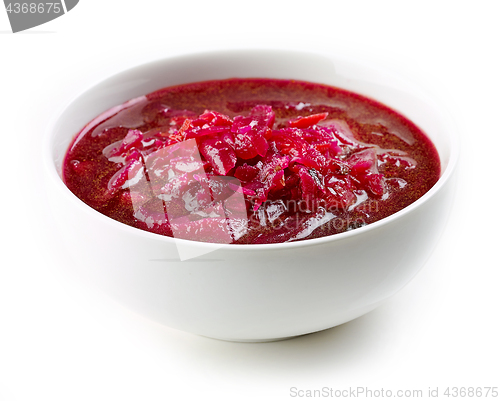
x=51 y=171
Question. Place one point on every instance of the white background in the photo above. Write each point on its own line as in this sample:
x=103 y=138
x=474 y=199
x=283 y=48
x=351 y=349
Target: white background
x=62 y=341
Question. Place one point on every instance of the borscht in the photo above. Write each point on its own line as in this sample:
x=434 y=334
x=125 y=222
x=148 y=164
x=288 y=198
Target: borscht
x=250 y=161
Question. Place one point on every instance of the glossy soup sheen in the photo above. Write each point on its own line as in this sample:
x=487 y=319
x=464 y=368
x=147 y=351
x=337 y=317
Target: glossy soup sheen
x=250 y=161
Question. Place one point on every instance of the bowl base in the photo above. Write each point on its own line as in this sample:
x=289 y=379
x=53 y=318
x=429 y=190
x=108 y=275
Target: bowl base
x=258 y=340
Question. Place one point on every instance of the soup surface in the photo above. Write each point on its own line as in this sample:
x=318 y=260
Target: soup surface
x=250 y=161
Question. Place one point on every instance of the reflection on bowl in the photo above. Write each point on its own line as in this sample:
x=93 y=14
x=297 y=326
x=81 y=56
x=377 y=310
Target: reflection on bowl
x=252 y=292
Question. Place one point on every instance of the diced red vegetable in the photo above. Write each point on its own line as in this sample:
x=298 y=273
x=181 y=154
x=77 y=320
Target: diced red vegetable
x=219 y=154
x=306 y=122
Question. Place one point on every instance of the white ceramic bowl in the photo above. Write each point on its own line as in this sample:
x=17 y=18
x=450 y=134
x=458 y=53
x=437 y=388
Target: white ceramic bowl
x=253 y=292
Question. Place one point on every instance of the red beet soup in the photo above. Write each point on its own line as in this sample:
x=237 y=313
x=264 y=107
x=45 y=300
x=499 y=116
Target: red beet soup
x=250 y=161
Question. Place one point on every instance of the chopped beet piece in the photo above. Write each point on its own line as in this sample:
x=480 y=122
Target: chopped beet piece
x=306 y=122
x=219 y=154
x=246 y=172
